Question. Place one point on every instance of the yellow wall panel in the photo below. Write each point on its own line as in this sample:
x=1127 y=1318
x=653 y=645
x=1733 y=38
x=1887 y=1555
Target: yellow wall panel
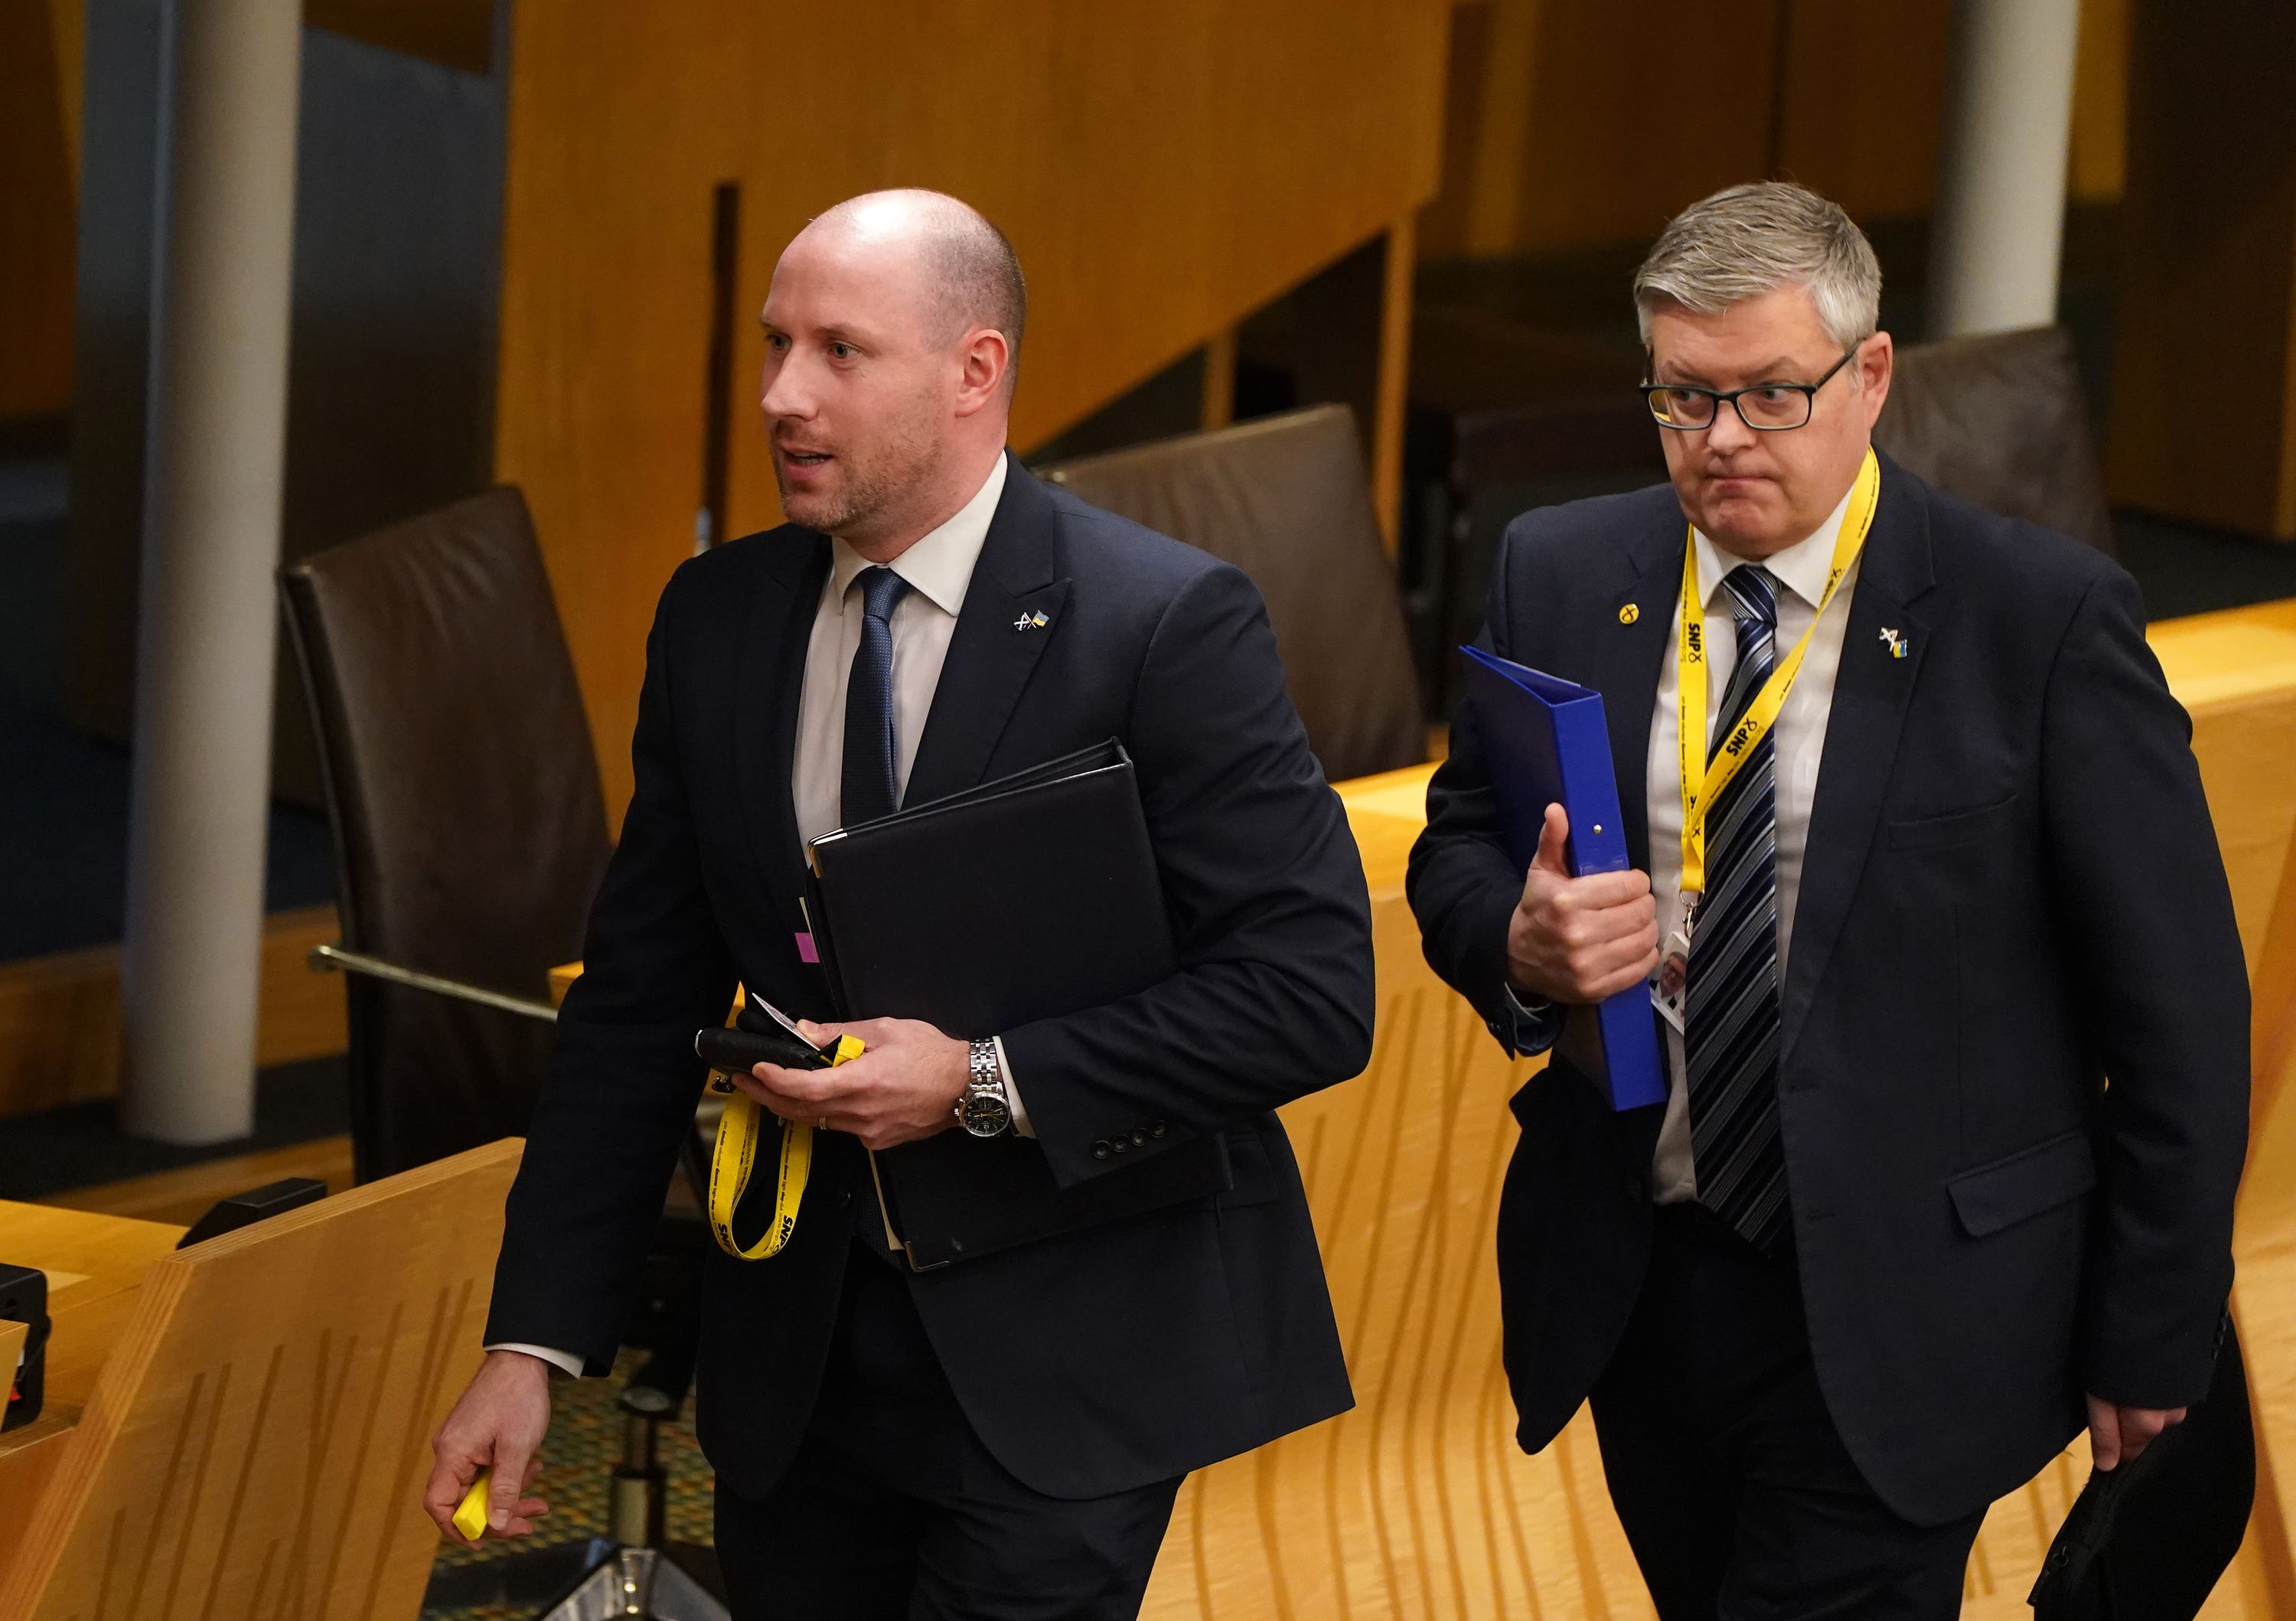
x=1162 y=171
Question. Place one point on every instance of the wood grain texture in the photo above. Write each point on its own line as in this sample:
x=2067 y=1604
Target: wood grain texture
x=59 y=1014
x=185 y=1194
x=1556 y=136
x=2203 y=418
x=2264 y=1253
x=95 y=1265
x=2235 y=672
x=1417 y=1504
x=257 y=1444
x=38 y=204
x=1162 y=170
x=453 y=33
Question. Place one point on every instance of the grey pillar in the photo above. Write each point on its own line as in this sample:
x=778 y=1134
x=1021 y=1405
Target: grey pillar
x=1999 y=228
x=205 y=635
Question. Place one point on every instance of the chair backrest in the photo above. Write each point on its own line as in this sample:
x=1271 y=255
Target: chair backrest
x=470 y=828
x=2000 y=420
x=257 y=1444
x=1284 y=498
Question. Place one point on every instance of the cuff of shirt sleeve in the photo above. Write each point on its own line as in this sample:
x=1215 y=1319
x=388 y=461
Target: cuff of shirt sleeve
x=1021 y=1126
x=565 y=1362
x=1529 y=1025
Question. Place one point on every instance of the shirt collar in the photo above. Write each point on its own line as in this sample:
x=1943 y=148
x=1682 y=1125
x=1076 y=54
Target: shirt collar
x=938 y=565
x=1801 y=567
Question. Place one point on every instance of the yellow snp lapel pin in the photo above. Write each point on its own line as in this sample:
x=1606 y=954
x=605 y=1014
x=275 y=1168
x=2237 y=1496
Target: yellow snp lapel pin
x=1031 y=621
x=1630 y=614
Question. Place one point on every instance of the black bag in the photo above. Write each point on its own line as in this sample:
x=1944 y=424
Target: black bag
x=2148 y=1541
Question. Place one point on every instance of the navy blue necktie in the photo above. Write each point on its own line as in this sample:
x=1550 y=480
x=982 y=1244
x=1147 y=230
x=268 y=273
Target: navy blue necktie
x=870 y=785
x=1730 y=1038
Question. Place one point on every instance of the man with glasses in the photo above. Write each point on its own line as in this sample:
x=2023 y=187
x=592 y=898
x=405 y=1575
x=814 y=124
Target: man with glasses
x=1933 y=869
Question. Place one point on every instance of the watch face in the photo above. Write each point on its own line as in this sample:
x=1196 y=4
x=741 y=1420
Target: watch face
x=984 y=1114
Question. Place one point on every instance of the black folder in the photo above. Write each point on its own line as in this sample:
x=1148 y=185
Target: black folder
x=1027 y=897
x=2148 y=1540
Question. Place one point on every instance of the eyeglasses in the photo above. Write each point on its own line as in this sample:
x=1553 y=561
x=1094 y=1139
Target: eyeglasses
x=1770 y=407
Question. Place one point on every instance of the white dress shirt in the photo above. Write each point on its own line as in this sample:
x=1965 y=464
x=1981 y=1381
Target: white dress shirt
x=1798 y=738
x=939 y=568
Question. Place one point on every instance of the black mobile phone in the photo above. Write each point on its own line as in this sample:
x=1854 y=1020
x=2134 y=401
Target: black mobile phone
x=736 y=1051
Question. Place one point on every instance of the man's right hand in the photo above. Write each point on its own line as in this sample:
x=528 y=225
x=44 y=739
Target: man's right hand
x=498 y=1425
x=1580 y=940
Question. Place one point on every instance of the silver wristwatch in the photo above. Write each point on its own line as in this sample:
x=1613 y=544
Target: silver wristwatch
x=983 y=1109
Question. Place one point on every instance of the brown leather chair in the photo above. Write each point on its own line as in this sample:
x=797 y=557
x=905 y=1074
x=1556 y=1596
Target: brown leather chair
x=2000 y=420
x=1285 y=499
x=470 y=829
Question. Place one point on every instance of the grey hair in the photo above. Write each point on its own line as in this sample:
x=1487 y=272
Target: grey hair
x=1751 y=240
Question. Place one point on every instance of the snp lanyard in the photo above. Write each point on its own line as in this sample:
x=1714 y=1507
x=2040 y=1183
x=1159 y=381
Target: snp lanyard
x=1703 y=780
x=734 y=1155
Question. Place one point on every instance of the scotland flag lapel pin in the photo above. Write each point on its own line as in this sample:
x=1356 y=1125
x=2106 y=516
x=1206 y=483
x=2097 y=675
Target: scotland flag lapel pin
x=1031 y=621
x=1897 y=644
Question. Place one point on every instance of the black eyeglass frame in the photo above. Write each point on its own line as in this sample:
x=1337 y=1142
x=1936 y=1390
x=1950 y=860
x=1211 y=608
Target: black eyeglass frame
x=1807 y=391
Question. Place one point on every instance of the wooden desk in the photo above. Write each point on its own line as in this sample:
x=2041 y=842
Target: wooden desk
x=95 y=1265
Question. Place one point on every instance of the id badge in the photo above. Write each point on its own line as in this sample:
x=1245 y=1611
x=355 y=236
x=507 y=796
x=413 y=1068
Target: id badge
x=1670 y=985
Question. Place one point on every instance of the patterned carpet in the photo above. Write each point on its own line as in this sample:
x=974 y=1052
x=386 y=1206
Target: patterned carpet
x=585 y=1439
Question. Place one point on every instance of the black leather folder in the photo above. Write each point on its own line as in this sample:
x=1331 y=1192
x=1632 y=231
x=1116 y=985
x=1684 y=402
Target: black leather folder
x=1027 y=897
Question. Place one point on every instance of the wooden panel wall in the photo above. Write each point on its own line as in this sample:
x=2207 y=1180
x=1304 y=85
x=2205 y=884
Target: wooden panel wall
x=2204 y=344
x=1162 y=171
x=1558 y=137
x=59 y=1014
x=39 y=124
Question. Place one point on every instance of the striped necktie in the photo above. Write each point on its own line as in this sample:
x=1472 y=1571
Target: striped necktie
x=1730 y=1041
x=869 y=785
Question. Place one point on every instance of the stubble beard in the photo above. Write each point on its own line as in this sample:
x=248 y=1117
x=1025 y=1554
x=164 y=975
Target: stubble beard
x=872 y=485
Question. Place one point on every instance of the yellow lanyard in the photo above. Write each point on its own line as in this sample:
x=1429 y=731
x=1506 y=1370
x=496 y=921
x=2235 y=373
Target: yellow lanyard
x=736 y=1151
x=1703 y=780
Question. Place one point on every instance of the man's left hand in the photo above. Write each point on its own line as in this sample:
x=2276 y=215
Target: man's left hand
x=905 y=1087
x=2118 y=1434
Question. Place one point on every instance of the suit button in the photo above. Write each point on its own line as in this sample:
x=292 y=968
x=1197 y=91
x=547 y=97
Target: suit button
x=1140 y=1136
x=1119 y=1143
x=1155 y=1128
x=1101 y=1151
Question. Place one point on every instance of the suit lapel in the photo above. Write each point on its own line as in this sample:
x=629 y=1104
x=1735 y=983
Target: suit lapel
x=1871 y=692
x=771 y=682
x=1625 y=654
x=997 y=641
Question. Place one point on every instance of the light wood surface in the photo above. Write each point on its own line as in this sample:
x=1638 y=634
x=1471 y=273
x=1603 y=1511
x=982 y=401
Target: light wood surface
x=2264 y=1250
x=2235 y=671
x=185 y=1194
x=59 y=1014
x=96 y=1265
x=1163 y=170
x=257 y=1444
x=1417 y=1504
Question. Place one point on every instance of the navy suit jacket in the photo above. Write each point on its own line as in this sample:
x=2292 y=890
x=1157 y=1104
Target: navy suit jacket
x=1091 y=1363
x=2011 y=895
